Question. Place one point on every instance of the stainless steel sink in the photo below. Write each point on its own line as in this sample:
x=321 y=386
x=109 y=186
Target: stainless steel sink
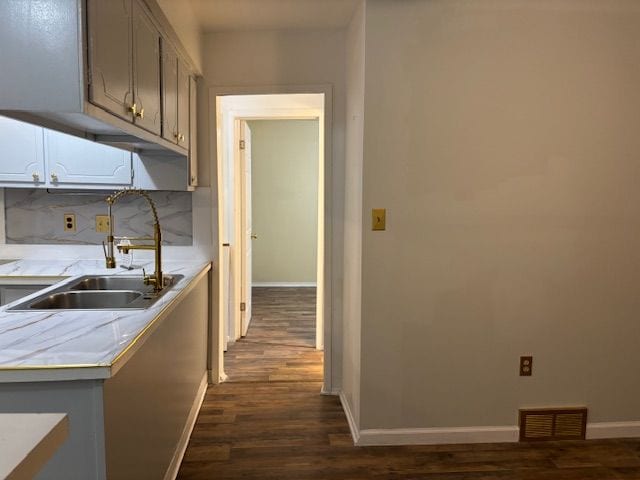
x=99 y=292
x=115 y=282
x=87 y=299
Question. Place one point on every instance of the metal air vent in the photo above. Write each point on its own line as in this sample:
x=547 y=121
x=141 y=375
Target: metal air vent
x=553 y=424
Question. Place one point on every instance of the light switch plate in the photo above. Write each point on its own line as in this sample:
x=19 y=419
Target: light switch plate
x=379 y=219
x=102 y=223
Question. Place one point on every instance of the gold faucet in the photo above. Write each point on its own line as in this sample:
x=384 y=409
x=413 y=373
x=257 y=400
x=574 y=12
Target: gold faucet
x=156 y=279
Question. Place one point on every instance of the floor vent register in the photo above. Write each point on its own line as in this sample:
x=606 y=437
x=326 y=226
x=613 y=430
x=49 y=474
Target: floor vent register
x=540 y=424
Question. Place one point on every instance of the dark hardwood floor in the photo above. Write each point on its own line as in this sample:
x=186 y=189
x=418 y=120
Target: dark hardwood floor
x=270 y=422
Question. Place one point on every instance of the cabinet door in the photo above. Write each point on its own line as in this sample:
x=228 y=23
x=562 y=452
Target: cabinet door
x=146 y=71
x=169 y=93
x=193 y=147
x=109 y=55
x=183 y=104
x=75 y=160
x=21 y=152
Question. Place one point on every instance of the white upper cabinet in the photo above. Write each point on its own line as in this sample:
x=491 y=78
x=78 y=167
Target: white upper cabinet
x=80 y=162
x=21 y=152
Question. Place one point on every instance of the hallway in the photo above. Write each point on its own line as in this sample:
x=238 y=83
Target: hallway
x=269 y=422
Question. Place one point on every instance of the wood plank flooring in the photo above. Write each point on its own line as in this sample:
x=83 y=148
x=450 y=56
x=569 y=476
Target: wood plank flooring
x=270 y=422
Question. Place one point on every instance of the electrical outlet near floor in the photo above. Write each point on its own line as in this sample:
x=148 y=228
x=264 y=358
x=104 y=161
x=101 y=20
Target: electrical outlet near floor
x=69 y=222
x=526 y=366
x=102 y=223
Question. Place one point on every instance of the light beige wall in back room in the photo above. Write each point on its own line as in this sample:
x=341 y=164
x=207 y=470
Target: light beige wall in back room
x=284 y=172
x=502 y=137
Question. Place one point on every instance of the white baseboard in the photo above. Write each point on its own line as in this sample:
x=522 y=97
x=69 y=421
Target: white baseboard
x=283 y=284
x=355 y=432
x=613 y=430
x=438 y=436
x=181 y=448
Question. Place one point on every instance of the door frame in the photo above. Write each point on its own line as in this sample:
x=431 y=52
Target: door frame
x=324 y=331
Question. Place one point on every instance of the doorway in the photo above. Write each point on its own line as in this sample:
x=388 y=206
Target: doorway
x=235 y=115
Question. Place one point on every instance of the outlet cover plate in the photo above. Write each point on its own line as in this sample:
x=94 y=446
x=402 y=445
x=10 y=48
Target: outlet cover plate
x=69 y=222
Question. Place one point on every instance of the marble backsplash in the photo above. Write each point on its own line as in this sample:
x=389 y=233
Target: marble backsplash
x=36 y=217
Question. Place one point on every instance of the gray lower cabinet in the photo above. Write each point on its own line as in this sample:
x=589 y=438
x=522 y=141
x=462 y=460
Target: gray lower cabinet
x=134 y=424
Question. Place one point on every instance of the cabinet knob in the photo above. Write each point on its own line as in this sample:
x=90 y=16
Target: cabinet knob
x=133 y=109
x=54 y=177
x=181 y=137
x=140 y=114
x=36 y=176
x=193 y=179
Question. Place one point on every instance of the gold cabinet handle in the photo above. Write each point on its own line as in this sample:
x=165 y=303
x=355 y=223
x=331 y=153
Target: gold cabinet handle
x=254 y=237
x=193 y=179
x=140 y=114
x=54 y=177
x=133 y=109
x=181 y=137
x=36 y=176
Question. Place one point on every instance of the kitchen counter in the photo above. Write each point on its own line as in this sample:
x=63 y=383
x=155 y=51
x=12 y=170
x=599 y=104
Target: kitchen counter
x=28 y=440
x=73 y=345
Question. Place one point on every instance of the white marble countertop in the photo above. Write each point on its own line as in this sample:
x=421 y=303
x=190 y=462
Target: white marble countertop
x=75 y=344
x=28 y=440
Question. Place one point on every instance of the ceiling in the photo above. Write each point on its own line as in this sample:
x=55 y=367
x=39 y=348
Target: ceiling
x=227 y=15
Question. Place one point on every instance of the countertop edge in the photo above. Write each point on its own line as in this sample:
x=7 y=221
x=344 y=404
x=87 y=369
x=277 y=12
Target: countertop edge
x=66 y=372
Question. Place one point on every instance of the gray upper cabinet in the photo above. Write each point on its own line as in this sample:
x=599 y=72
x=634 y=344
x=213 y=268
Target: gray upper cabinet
x=193 y=144
x=109 y=55
x=175 y=81
x=146 y=70
x=104 y=80
x=183 y=105
x=124 y=61
x=169 y=92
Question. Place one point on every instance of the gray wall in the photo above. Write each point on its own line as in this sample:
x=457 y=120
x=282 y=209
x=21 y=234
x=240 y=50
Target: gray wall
x=36 y=217
x=502 y=137
x=284 y=159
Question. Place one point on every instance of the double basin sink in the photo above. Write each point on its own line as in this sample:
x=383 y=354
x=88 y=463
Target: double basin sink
x=99 y=292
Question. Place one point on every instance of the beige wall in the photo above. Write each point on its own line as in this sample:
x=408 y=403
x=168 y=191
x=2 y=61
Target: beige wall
x=185 y=23
x=355 y=50
x=255 y=61
x=284 y=159
x=502 y=137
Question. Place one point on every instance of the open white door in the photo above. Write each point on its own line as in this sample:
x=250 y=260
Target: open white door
x=247 y=234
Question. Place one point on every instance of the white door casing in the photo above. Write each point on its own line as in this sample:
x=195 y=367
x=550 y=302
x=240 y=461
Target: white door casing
x=228 y=106
x=246 y=223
